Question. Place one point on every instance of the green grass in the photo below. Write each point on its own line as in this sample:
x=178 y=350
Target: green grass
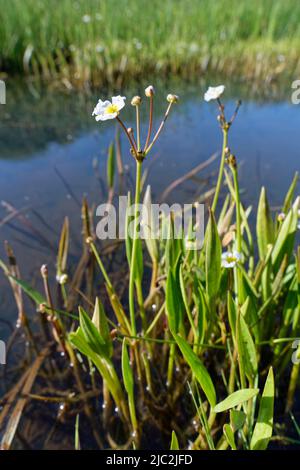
x=130 y=38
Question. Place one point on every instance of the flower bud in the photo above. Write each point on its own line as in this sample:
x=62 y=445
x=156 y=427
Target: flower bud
x=149 y=91
x=129 y=130
x=172 y=98
x=44 y=271
x=281 y=217
x=62 y=279
x=136 y=101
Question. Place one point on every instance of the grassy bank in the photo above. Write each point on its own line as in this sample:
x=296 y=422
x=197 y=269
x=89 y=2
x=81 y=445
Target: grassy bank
x=104 y=41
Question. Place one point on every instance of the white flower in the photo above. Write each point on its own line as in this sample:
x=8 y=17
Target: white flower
x=214 y=92
x=281 y=217
x=109 y=110
x=298 y=226
x=86 y=18
x=229 y=259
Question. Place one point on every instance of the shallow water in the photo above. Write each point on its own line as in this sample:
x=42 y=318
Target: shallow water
x=50 y=146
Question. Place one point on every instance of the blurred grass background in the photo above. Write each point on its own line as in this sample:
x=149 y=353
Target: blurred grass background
x=106 y=41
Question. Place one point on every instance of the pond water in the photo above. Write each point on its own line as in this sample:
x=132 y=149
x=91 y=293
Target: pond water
x=52 y=152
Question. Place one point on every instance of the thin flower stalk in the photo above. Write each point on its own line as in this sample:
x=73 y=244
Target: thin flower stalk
x=221 y=169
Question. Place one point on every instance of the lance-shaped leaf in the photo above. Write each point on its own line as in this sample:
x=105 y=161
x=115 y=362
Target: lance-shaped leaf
x=104 y=366
x=149 y=226
x=264 y=425
x=232 y=315
x=91 y=334
x=111 y=165
x=213 y=253
x=127 y=371
x=285 y=240
x=237 y=419
x=228 y=433
x=174 y=442
x=32 y=293
x=100 y=321
x=198 y=369
x=174 y=301
x=264 y=225
x=290 y=194
x=235 y=399
x=246 y=349
x=62 y=256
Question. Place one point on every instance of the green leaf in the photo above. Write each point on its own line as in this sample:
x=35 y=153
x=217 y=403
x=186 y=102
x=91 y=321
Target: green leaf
x=286 y=236
x=32 y=293
x=63 y=247
x=174 y=301
x=290 y=194
x=228 y=433
x=173 y=244
x=103 y=364
x=111 y=165
x=237 y=419
x=213 y=254
x=91 y=334
x=100 y=321
x=174 y=442
x=235 y=399
x=264 y=225
x=198 y=369
x=246 y=348
x=127 y=371
x=264 y=425
x=231 y=308
x=148 y=226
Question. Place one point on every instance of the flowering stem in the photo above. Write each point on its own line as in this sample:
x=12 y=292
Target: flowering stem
x=100 y=264
x=159 y=129
x=127 y=133
x=238 y=228
x=150 y=123
x=221 y=169
x=134 y=248
x=138 y=134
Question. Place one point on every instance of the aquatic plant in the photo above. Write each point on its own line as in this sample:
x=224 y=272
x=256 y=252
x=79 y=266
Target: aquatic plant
x=207 y=340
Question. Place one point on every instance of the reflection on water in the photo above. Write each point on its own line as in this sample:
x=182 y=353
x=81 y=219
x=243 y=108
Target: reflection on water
x=50 y=146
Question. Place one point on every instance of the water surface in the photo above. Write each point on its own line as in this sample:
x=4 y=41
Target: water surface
x=52 y=153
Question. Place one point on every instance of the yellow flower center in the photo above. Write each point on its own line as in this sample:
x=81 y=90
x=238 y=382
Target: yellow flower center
x=111 y=109
x=231 y=259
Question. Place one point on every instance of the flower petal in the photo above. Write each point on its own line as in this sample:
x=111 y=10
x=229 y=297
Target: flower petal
x=119 y=101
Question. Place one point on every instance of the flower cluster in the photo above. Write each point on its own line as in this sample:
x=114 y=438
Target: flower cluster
x=105 y=110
